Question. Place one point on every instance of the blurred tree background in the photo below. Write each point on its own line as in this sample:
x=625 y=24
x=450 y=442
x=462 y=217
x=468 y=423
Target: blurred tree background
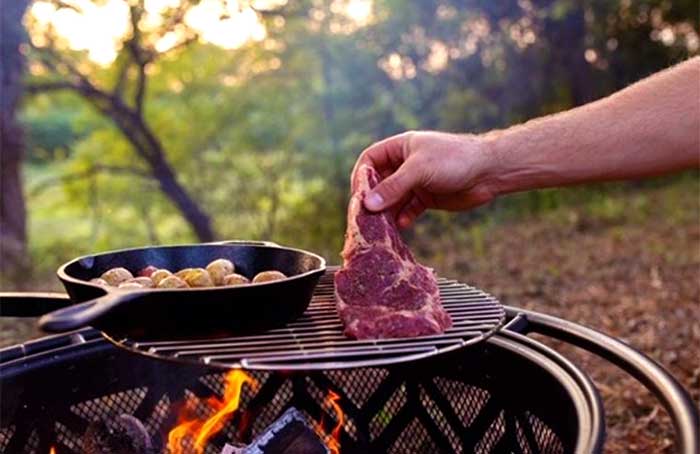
x=165 y=121
x=133 y=122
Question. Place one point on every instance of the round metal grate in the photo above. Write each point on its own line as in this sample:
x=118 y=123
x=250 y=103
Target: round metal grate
x=315 y=341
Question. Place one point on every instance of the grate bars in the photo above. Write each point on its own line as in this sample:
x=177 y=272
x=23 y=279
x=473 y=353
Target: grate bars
x=315 y=341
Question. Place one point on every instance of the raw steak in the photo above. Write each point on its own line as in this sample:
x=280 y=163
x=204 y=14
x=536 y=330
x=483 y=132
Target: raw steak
x=381 y=291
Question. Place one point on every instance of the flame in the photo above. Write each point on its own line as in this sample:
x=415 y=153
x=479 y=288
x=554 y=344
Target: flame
x=332 y=440
x=332 y=400
x=52 y=450
x=200 y=430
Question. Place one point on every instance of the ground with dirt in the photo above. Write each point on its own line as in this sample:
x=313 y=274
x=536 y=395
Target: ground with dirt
x=634 y=277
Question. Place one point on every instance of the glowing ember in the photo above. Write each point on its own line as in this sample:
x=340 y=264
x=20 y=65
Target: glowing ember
x=332 y=441
x=201 y=430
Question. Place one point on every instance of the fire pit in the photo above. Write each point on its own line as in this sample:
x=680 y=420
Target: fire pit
x=508 y=393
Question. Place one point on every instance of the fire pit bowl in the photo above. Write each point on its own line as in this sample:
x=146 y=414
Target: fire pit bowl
x=509 y=393
x=461 y=402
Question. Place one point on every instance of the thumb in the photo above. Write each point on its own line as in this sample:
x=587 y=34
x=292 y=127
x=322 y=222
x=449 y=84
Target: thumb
x=392 y=189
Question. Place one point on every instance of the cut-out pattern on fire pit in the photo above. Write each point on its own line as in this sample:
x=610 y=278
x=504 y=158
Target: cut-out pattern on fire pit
x=546 y=439
x=439 y=419
x=393 y=404
x=470 y=405
x=370 y=379
x=394 y=411
x=33 y=442
x=415 y=438
x=523 y=439
x=103 y=407
x=316 y=341
x=493 y=435
x=6 y=435
x=67 y=437
x=160 y=412
x=279 y=401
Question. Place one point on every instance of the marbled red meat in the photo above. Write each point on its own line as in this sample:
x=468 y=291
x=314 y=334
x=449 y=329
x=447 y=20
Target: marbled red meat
x=381 y=291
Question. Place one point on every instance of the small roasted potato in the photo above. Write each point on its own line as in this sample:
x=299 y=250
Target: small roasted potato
x=267 y=276
x=145 y=282
x=235 y=279
x=116 y=276
x=198 y=277
x=172 y=282
x=99 y=281
x=146 y=272
x=130 y=285
x=159 y=275
x=219 y=269
x=183 y=272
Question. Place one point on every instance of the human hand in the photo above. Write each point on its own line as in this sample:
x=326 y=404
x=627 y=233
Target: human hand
x=425 y=169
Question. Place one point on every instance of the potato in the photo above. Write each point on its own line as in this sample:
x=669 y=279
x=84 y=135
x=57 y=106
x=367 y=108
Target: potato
x=183 y=272
x=267 y=276
x=143 y=281
x=172 y=282
x=99 y=281
x=146 y=272
x=235 y=279
x=159 y=275
x=198 y=277
x=130 y=285
x=220 y=268
x=116 y=276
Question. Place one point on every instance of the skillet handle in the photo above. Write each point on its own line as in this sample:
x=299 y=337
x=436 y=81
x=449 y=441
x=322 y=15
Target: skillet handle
x=246 y=243
x=80 y=315
x=20 y=304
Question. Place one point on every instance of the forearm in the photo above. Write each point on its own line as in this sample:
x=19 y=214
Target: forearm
x=649 y=128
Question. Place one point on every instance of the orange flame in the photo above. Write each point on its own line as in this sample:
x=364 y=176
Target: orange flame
x=332 y=441
x=332 y=400
x=52 y=450
x=199 y=430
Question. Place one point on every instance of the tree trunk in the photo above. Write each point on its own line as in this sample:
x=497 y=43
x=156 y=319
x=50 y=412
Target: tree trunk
x=146 y=144
x=198 y=219
x=152 y=150
x=14 y=259
x=163 y=172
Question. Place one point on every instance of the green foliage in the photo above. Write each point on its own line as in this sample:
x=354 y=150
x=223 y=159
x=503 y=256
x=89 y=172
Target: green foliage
x=50 y=135
x=264 y=136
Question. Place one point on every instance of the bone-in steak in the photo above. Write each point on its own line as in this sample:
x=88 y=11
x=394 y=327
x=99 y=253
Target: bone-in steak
x=381 y=291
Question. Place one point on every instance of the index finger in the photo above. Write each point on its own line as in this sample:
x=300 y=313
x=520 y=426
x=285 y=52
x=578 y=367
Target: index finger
x=384 y=156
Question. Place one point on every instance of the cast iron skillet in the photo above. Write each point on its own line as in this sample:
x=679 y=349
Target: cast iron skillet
x=152 y=314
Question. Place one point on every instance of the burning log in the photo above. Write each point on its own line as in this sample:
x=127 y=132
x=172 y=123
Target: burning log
x=123 y=434
x=289 y=434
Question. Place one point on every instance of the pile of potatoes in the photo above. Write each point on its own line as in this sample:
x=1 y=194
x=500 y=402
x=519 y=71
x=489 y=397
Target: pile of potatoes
x=218 y=273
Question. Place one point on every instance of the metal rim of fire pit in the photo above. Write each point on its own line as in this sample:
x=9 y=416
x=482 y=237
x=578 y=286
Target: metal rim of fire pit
x=316 y=341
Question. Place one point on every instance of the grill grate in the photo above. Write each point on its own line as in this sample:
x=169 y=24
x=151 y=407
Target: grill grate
x=315 y=341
